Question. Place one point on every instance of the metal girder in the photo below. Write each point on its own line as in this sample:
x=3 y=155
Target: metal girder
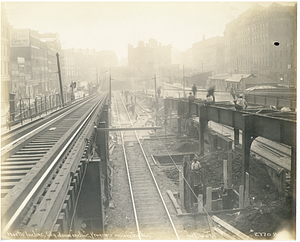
x=277 y=129
x=126 y=129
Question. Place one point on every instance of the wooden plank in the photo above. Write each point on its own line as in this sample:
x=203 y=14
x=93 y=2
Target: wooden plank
x=225 y=235
x=173 y=199
x=181 y=186
x=153 y=159
x=230 y=228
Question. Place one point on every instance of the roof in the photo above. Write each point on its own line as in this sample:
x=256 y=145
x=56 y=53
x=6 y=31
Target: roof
x=259 y=80
x=220 y=76
x=258 y=87
x=237 y=77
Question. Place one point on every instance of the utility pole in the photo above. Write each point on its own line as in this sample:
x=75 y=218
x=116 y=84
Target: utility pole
x=109 y=105
x=60 y=82
x=183 y=81
x=156 y=100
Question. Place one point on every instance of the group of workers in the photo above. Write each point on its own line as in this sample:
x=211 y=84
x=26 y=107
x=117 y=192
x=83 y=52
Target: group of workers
x=130 y=101
x=195 y=168
x=239 y=102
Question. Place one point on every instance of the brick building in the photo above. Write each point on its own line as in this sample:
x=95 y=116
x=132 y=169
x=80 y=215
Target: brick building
x=33 y=65
x=208 y=55
x=261 y=41
x=5 y=64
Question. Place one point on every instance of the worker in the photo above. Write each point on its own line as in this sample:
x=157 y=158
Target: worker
x=240 y=103
x=195 y=169
x=158 y=92
x=210 y=100
x=191 y=100
x=222 y=191
x=194 y=90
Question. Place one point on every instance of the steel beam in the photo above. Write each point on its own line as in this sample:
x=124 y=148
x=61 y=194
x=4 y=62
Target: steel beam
x=126 y=129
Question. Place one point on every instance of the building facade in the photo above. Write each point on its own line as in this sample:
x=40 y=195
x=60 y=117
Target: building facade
x=33 y=64
x=261 y=41
x=87 y=65
x=5 y=64
x=147 y=59
x=208 y=55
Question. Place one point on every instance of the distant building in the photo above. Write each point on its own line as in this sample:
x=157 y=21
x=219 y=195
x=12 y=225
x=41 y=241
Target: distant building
x=145 y=60
x=208 y=55
x=261 y=41
x=237 y=82
x=87 y=65
x=200 y=79
x=5 y=64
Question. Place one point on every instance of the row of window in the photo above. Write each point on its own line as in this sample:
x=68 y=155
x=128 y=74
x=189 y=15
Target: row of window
x=73 y=68
x=73 y=73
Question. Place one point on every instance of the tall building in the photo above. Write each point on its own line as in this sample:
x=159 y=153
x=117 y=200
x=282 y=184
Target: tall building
x=261 y=41
x=87 y=65
x=5 y=64
x=208 y=55
x=33 y=68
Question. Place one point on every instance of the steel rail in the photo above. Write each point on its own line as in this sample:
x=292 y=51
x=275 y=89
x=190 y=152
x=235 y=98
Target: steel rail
x=128 y=174
x=153 y=177
x=44 y=176
x=40 y=127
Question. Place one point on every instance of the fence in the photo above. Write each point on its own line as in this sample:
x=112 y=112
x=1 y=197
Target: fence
x=26 y=108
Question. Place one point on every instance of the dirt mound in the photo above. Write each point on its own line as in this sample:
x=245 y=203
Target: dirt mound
x=262 y=188
x=269 y=218
x=172 y=173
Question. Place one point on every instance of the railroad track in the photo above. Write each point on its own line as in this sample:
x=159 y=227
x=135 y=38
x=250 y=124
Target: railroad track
x=152 y=218
x=18 y=131
x=34 y=162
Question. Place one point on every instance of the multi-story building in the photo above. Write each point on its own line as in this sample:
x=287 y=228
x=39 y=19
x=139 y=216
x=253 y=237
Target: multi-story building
x=86 y=65
x=52 y=44
x=33 y=69
x=208 y=55
x=261 y=41
x=147 y=60
x=5 y=64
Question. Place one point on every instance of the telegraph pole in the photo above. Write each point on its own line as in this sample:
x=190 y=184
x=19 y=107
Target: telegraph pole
x=60 y=82
x=183 y=81
x=156 y=100
x=109 y=106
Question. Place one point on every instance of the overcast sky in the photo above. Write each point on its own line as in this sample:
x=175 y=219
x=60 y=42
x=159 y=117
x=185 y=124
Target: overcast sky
x=114 y=25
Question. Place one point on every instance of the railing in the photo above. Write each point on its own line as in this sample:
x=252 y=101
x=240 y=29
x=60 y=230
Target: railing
x=26 y=108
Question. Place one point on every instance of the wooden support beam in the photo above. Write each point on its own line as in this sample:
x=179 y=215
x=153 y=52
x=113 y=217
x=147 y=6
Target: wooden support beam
x=229 y=169
x=230 y=228
x=241 y=196
x=225 y=178
x=247 y=191
x=208 y=205
x=200 y=203
x=181 y=186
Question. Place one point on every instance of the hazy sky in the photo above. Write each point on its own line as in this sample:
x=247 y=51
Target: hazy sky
x=114 y=25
